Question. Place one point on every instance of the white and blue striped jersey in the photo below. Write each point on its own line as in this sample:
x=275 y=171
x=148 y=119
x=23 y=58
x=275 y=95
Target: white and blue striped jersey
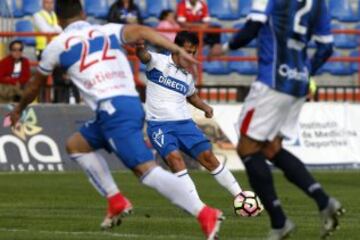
x=92 y=56
x=167 y=88
x=289 y=25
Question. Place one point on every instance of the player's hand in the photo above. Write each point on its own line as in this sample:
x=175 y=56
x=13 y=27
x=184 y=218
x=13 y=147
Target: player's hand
x=216 y=51
x=209 y=112
x=140 y=44
x=15 y=116
x=188 y=57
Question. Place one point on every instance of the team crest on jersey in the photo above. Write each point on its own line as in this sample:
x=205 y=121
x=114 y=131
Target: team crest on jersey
x=158 y=137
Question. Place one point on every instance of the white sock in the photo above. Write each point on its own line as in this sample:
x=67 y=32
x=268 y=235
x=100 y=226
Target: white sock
x=171 y=187
x=97 y=169
x=187 y=182
x=226 y=179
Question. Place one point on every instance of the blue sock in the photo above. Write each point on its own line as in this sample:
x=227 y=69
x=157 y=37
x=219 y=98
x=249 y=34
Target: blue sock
x=295 y=171
x=261 y=181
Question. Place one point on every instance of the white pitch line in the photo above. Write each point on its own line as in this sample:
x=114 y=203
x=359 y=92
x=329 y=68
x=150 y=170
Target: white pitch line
x=100 y=234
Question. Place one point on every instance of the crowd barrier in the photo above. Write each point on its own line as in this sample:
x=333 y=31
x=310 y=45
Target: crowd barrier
x=328 y=136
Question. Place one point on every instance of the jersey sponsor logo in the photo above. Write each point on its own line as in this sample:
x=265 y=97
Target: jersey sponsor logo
x=158 y=137
x=168 y=82
x=292 y=73
x=102 y=77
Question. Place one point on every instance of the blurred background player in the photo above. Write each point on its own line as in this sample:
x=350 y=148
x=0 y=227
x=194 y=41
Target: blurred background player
x=106 y=83
x=271 y=110
x=14 y=73
x=169 y=124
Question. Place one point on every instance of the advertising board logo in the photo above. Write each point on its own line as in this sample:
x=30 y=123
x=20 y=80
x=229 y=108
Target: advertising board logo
x=36 y=151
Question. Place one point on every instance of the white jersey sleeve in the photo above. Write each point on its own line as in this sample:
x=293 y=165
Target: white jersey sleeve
x=260 y=10
x=50 y=58
x=192 y=89
x=117 y=30
x=153 y=61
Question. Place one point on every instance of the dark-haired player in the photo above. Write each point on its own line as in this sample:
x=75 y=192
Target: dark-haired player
x=169 y=125
x=271 y=110
x=93 y=59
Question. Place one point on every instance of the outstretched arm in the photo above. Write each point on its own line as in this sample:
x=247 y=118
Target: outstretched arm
x=31 y=91
x=242 y=38
x=142 y=53
x=322 y=54
x=197 y=102
x=133 y=33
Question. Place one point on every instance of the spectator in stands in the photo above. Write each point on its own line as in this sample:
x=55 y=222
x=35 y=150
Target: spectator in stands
x=14 y=73
x=45 y=21
x=125 y=11
x=168 y=21
x=195 y=13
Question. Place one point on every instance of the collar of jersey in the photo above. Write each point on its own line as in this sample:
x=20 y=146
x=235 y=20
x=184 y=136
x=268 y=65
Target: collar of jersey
x=172 y=63
x=77 y=25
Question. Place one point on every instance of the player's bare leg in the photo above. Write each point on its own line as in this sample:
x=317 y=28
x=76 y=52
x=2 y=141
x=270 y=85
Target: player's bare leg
x=96 y=168
x=177 y=165
x=221 y=173
x=295 y=171
x=170 y=186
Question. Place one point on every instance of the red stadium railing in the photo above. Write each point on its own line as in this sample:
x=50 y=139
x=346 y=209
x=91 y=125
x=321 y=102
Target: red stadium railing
x=355 y=95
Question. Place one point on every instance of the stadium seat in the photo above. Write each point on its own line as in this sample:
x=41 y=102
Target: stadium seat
x=17 y=9
x=253 y=43
x=242 y=67
x=96 y=8
x=154 y=7
x=347 y=41
x=25 y=26
x=342 y=11
x=337 y=68
x=244 y=7
x=221 y=9
x=354 y=66
x=31 y=6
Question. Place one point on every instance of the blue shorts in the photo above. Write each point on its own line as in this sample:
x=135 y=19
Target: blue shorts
x=170 y=136
x=118 y=128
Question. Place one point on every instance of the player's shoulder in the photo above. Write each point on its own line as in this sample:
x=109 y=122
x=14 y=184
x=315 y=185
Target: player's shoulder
x=158 y=58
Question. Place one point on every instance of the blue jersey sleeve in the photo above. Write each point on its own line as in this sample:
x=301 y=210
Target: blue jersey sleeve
x=322 y=28
x=260 y=10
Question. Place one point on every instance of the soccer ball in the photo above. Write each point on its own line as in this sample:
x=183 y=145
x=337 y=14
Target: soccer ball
x=247 y=204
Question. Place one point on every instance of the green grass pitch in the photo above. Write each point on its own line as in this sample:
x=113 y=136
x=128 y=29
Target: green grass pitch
x=64 y=206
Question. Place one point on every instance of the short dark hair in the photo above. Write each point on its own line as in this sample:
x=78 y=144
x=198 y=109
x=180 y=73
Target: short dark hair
x=12 y=43
x=120 y=4
x=66 y=9
x=164 y=14
x=186 y=36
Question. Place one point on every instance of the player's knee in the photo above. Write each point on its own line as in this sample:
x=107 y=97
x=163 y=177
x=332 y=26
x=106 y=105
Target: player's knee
x=248 y=146
x=175 y=161
x=272 y=148
x=208 y=160
x=70 y=145
x=77 y=144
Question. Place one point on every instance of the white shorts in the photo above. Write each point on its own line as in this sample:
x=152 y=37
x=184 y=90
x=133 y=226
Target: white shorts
x=267 y=113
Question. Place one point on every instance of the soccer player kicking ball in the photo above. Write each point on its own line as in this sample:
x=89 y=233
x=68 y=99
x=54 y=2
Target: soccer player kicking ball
x=271 y=110
x=95 y=63
x=169 y=125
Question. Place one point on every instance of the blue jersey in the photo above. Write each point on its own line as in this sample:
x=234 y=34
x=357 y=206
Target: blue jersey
x=288 y=27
